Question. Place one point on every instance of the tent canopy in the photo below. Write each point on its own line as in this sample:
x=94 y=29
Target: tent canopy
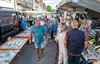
x=78 y=4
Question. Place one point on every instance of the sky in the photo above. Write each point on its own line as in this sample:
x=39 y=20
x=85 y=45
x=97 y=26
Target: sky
x=53 y=3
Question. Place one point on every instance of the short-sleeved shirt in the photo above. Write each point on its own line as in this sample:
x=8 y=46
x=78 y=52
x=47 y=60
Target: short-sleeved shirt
x=38 y=33
x=55 y=26
x=24 y=22
x=60 y=39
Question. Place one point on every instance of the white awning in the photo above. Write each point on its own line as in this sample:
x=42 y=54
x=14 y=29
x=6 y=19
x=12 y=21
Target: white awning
x=90 y=4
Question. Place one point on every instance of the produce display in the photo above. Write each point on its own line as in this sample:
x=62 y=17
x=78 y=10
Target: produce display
x=91 y=54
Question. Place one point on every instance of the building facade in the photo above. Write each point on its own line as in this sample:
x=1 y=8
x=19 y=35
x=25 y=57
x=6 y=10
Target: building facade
x=35 y=4
x=41 y=3
x=24 y=5
x=7 y=4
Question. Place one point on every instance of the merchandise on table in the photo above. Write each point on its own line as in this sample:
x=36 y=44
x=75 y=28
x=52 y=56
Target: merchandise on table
x=23 y=35
x=15 y=43
x=7 y=56
x=97 y=62
x=91 y=54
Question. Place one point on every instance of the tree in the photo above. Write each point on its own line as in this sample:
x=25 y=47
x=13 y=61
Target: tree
x=49 y=8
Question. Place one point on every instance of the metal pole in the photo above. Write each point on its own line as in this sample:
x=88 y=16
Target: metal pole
x=15 y=5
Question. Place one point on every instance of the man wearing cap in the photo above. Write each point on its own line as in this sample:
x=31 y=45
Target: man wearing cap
x=39 y=34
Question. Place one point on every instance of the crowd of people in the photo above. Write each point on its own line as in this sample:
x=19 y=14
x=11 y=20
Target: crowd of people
x=71 y=39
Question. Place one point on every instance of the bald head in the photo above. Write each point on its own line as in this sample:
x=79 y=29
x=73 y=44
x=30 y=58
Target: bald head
x=74 y=24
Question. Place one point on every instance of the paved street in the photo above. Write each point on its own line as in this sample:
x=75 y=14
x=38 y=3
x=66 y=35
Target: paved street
x=28 y=55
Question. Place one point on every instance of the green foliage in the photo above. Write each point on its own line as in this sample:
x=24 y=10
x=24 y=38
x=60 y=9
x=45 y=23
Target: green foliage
x=49 y=8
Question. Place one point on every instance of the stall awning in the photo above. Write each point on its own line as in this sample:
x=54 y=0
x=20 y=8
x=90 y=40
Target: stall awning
x=90 y=4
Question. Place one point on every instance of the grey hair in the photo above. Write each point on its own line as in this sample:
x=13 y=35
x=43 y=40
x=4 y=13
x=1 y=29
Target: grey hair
x=65 y=27
x=74 y=23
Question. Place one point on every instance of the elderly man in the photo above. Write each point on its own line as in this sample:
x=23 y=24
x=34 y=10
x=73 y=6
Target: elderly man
x=76 y=41
x=38 y=32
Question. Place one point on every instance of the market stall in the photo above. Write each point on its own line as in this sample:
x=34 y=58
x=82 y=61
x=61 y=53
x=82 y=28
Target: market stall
x=25 y=34
x=10 y=49
x=92 y=54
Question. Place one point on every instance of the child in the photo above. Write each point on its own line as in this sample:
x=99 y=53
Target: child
x=62 y=49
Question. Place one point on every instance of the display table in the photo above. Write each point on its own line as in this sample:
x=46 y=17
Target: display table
x=8 y=52
x=91 y=55
x=25 y=34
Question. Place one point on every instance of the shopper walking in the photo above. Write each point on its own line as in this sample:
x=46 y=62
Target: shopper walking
x=39 y=34
x=62 y=49
x=24 y=23
x=76 y=41
x=51 y=29
x=47 y=32
x=55 y=26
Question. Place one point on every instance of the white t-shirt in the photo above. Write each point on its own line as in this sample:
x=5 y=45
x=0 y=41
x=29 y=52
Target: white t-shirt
x=60 y=38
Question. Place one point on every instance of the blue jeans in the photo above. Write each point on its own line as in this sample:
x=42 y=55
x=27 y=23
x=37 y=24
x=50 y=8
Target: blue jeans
x=73 y=59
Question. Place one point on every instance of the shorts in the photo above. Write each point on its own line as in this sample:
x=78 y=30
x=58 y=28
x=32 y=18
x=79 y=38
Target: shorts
x=41 y=45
